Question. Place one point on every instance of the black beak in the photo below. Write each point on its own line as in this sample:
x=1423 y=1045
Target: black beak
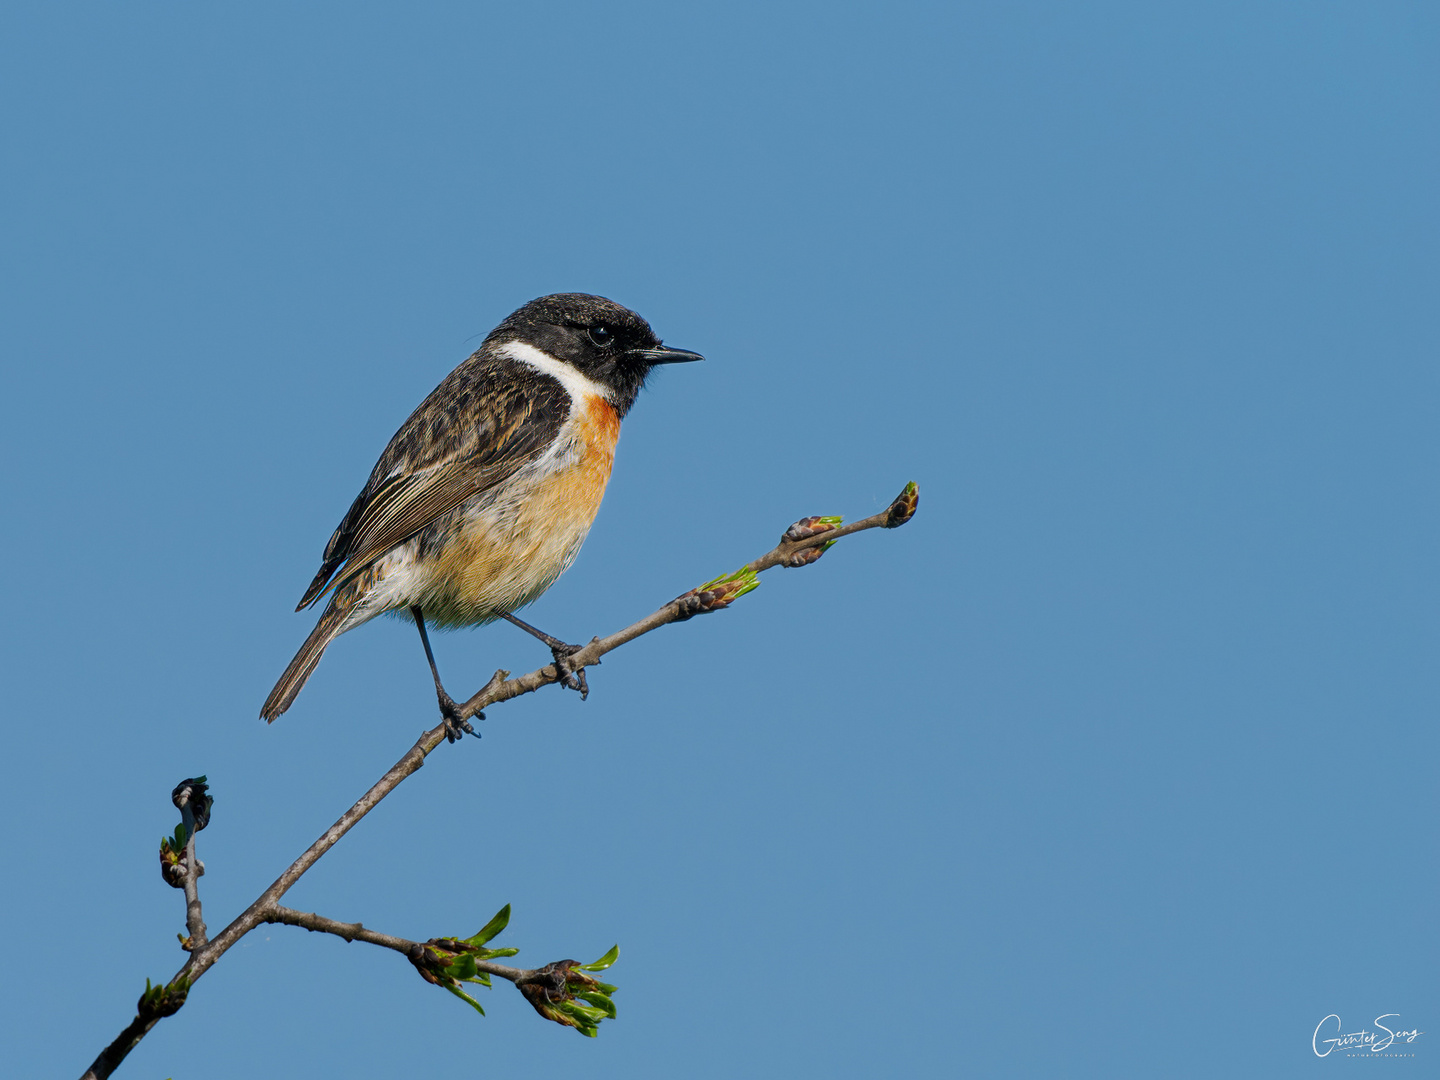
x=666 y=355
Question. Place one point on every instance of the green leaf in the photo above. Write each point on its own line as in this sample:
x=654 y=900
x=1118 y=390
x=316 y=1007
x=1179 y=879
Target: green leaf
x=604 y=961
x=493 y=927
x=599 y=1000
x=748 y=578
x=463 y=967
x=490 y=954
x=462 y=995
x=752 y=582
x=583 y=1012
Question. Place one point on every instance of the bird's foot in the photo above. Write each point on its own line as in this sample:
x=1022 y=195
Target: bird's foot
x=456 y=725
x=456 y=729
x=570 y=676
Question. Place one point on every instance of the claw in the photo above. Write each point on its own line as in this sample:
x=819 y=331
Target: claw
x=565 y=674
x=456 y=729
x=456 y=726
x=570 y=677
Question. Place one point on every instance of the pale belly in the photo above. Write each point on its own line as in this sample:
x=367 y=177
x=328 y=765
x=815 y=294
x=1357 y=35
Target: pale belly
x=498 y=554
x=500 y=558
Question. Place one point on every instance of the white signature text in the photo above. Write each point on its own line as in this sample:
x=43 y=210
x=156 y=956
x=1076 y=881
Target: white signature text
x=1377 y=1041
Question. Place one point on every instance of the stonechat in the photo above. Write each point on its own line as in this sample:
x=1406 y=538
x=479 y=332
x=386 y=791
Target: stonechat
x=484 y=496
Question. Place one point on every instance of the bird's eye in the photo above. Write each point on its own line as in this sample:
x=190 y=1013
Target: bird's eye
x=602 y=335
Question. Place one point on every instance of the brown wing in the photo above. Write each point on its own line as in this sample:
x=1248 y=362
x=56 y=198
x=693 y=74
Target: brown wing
x=485 y=421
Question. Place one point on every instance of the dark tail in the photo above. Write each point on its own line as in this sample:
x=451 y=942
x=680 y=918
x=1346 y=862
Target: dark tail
x=301 y=668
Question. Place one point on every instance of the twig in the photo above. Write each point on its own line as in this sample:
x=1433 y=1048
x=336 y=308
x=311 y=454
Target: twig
x=793 y=549
x=194 y=920
x=356 y=932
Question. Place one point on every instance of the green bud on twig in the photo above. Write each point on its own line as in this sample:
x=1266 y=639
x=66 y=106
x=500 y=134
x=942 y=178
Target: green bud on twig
x=804 y=529
x=162 y=1000
x=717 y=593
x=173 y=864
x=448 y=962
x=810 y=526
x=563 y=993
x=194 y=791
x=903 y=508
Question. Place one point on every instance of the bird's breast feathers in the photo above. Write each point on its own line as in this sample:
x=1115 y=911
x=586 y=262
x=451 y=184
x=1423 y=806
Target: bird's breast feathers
x=502 y=549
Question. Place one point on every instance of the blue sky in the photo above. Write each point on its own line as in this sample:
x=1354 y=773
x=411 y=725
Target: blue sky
x=1118 y=760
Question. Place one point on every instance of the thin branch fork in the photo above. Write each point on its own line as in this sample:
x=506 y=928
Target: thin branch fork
x=800 y=545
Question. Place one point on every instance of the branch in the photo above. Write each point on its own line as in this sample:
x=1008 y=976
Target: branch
x=190 y=796
x=356 y=932
x=348 y=931
x=555 y=991
x=546 y=988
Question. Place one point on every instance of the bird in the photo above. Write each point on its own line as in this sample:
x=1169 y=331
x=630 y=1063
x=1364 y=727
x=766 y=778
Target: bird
x=484 y=496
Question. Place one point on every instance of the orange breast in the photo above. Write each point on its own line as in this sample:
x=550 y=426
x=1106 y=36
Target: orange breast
x=600 y=424
x=572 y=496
x=505 y=557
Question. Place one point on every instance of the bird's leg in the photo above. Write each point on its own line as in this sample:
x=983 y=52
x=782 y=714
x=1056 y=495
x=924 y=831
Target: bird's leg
x=455 y=725
x=574 y=678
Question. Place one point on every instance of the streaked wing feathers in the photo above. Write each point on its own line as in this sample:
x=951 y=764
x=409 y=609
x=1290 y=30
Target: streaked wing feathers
x=472 y=433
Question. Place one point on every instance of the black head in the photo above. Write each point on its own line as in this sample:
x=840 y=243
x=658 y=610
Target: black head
x=602 y=340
